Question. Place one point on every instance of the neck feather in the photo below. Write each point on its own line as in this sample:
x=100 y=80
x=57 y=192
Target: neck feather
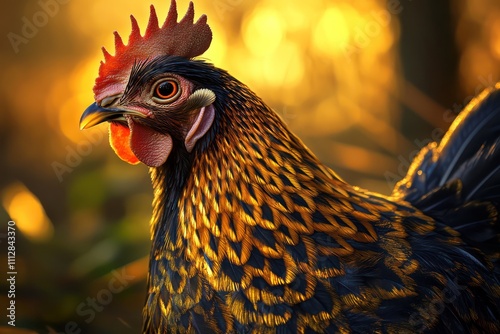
x=168 y=182
x=248 y=152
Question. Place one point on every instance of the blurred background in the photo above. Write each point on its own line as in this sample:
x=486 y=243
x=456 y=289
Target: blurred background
x=364 y=84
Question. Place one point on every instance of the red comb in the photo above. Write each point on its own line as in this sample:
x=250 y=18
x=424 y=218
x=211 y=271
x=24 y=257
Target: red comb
x=185 y=39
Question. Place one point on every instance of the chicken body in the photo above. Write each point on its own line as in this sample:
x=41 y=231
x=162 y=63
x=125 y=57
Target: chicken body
x=252 y=234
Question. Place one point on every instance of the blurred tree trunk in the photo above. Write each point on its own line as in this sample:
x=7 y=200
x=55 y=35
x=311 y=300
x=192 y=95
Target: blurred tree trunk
x=429 y=59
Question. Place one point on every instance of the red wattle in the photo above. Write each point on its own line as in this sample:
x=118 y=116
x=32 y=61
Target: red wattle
x=138 y=143
x=149 y=146
x=119 y=139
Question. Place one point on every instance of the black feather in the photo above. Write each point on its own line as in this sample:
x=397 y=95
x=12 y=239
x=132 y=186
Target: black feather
x=458 y=182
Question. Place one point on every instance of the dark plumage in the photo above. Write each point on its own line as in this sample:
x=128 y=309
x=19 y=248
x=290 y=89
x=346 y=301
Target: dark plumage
x=252 y=234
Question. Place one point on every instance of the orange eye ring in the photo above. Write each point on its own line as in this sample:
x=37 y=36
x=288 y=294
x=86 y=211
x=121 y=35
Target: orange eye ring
x=166 y=90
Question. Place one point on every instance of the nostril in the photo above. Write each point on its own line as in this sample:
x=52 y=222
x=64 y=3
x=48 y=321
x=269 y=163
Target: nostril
x=109 y=101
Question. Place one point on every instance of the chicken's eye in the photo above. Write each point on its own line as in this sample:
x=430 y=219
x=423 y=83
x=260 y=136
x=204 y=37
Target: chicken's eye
x=166 y=91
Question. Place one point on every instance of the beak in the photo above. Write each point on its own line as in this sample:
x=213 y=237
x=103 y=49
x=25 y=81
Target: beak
x=96 y=114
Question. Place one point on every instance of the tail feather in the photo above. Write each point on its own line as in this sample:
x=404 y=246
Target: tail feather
x=481 y=173
x=477 y=125
x=458 y=181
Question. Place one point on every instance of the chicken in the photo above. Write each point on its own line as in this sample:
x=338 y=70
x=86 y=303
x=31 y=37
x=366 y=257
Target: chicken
x=252 y=234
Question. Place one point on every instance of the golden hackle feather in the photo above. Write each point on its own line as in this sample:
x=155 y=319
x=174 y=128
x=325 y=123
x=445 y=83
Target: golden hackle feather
x=255 y=196
x=264 y=229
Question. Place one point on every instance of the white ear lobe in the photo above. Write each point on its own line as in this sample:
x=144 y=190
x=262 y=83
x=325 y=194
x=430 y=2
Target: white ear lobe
x=200 y=126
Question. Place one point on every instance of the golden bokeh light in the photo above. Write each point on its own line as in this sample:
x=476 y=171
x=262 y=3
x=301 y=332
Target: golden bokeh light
x=323 y=120
x=331 y=33
x=26 y=210
x=495 y=36
x=478 y=37
x=263 y=31
x=284 y=68
x=217 y=51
